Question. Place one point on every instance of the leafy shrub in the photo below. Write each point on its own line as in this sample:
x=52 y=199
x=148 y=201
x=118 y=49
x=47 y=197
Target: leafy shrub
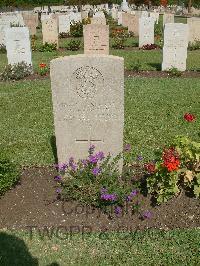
x=150 y=46
x=76 y=29
x=16 y=71
x=2 y=49
x=86 y=21
x=47 y=47
x=96 y=180
x=158 y=30
x=194 y=46
x=178 y=169
x=74 y=45
x=120 y=37
x=174 y=72
x=9 y=174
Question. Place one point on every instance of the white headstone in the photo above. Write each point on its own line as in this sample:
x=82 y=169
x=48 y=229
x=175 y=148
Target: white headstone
x=64 y=23
x=175 y=46
x=18 y=45
x=146 y=31
x=88 y=104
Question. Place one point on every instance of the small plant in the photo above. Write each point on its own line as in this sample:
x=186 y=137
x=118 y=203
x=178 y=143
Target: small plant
x=9 y=174
x=74 y=45
x=136 y=66
x=194 y=46
x=120 y=37
x=178 y=169
x=43 y=69
x=150 y=46
x=48 y=47
x=174 y=72
x=76 y=29
x=16 y=71
x=2 y=49
x=96 y=180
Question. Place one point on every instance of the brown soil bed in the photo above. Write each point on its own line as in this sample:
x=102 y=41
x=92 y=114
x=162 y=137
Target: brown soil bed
x=130 y=73
x=34 y=202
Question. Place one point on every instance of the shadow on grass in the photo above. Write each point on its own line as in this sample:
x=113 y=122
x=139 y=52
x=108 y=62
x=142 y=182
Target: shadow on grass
x=54 y=149
x=13 y=251
x=157 y=66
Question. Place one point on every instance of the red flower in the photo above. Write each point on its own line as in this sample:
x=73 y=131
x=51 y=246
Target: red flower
x=42 y=65
x=171 y=159
x=189 y=117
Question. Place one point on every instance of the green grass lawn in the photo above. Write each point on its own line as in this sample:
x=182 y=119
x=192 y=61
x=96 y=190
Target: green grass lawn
x=154 y=110
x=177 y=247
x=149 y=60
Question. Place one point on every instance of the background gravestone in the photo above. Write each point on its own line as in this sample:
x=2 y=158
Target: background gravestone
x=168 y=18
x=96 y=39
x=194 y=29
x=18 y=45
x=88 y=104
x=175 y=46
x=64 y=23
x=133 y=24
x=50 y=30
x=146 y=31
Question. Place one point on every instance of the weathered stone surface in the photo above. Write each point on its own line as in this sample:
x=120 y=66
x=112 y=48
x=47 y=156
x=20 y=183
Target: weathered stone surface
x=98 y=20
x=50 y=30
x=133 y=24
x=125 y=19
x=168 y=18
x=4 y=24
x=96 y=39
x=30 y=21
x=88 y=104
x=175 y=46
x=194 y=29
x=18 y=45
x=146 y=31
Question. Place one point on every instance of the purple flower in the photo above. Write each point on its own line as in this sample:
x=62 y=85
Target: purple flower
x=127 y=147
x=96 y=171
x=74 y=167
x=147 y=215
x=118 y=210
x=132 y=194
x=109 y=197
x=84 y=162
x=58 y=190
x=128 y=198
x=100 y=155
x=57 y=178
x=140 y=158
x=62 y=166
x=93 y=159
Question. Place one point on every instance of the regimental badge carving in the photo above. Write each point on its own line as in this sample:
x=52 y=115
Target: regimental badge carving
x=86 y=81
